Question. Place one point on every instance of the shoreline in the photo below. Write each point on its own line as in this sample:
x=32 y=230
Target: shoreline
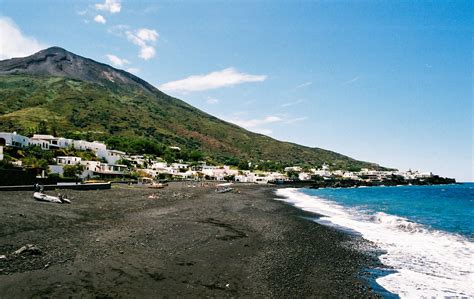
x=186 y=242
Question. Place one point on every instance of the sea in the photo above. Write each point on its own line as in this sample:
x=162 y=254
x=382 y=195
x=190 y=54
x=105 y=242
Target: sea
x=425 y=233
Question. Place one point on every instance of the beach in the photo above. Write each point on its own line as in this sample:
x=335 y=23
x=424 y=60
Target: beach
x=185 y=241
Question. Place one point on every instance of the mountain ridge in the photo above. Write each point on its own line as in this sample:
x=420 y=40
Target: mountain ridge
x=77 y=94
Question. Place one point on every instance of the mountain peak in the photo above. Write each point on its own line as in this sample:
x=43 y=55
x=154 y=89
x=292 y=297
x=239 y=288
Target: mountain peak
x=54 y=49
x=56 y=61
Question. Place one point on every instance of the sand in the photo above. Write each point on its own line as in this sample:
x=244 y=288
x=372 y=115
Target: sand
x=188 y=241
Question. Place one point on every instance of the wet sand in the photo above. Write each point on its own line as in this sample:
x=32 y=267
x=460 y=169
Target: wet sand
x=187 y=242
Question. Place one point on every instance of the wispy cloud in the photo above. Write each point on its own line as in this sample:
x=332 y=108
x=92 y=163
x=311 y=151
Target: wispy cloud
x=212 y=101
x=294 y=120
x=116 y=61
x=304 y=84
x=257 y=125
x=145 y=39
x=100 y=19
x=252 y=123
x=112 y=6
x=288 y=104
x=227 y=77
x=13 y=43
x=356 y=78
x=261 y=125
x=118 y=30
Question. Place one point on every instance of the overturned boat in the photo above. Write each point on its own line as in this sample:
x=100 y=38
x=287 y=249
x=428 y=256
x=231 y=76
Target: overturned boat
x=49 y=198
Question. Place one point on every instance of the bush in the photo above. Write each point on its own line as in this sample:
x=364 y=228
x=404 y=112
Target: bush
x=71 y=171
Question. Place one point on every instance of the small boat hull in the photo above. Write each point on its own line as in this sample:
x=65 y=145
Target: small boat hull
x=48 y=198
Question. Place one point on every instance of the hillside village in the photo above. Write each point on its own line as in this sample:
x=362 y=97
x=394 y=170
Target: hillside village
x=112 y=164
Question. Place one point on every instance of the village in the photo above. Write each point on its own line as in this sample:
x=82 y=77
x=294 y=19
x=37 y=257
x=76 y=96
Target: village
x=109 y=164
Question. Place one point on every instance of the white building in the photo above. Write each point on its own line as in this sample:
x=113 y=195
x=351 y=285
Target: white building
x=293 y=168
x=111 y=156
x=43 y=144
x=350 y=175
x=159 y=166
x=219 y=174
x=304 y=176
x=54 y=142
x=137 y=160
x=94 y=146
x=108 y=169
x=13 y=139
x=180 y=166
x=68 y=160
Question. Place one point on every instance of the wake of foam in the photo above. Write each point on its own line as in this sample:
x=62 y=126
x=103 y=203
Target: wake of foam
x=428 y=262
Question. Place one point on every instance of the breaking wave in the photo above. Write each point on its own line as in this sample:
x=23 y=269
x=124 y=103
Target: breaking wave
x=428 y=263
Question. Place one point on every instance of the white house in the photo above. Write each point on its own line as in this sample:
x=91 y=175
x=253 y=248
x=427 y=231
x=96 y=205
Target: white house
x=350 y=175
x=43 y=144
x=54 y=142
x=159 y=166
x=109 y=169
x=293 y=168
x=111 y=156
x=304 y=176
x=13 y=139
x=137 y=160
x=87 y=145
x=180 y=166
x=68 y=160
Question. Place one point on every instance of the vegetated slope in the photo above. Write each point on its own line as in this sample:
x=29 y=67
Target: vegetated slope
x=76 y=95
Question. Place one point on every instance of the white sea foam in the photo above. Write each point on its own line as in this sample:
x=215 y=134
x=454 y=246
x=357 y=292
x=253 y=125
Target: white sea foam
x=429 y=263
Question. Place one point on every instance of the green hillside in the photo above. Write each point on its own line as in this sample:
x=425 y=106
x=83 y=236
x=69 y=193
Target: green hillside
x=93 y=111
x=58 y=92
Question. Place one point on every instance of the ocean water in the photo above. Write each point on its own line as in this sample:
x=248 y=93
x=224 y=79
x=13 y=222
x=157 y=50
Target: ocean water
x=425 y=232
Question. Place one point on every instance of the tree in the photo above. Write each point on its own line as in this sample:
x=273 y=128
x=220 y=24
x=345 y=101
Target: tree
x=71 y=171
x=42 y=127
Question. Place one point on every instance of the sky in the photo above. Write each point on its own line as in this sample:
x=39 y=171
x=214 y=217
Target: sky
x=383 y=81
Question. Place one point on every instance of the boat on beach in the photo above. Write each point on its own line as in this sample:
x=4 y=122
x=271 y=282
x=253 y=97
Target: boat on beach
x=157 y=186
x=49 y=198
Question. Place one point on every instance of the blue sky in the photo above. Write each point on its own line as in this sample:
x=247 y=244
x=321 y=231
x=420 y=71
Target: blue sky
x=383 y=81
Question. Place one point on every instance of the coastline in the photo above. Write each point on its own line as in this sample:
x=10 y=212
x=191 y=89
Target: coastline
x=187 y=242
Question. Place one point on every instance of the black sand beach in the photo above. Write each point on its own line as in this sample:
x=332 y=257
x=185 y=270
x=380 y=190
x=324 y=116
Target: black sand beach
x=186 y=242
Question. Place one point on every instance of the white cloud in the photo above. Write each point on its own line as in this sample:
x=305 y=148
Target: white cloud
x=112 y=6
x=304 y=85
x=212 y=101
x=259 y=125
x=13 y=43
x=255 y=124
x=100 y=19
x=116 y=61
x=218 y=79
x=147 y=52
x=145 y=39
x=147 y=34
x=294 y=120
x=251 y=123
x=356 y=78
x=284 y=105
x=133 y=70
